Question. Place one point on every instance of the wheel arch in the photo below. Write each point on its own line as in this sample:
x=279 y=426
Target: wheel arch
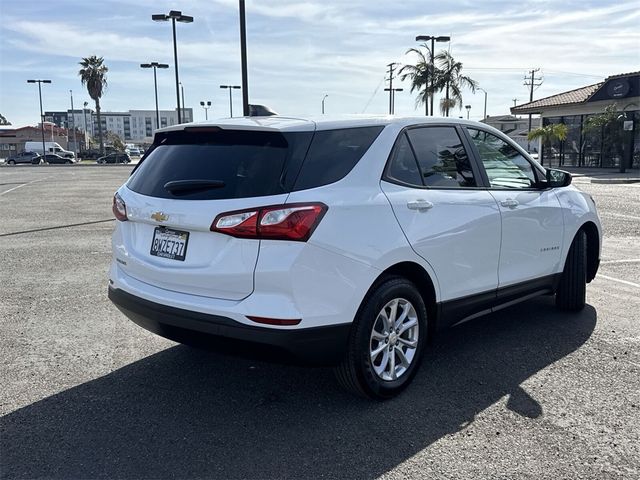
x=421 y=279
x=593 y=248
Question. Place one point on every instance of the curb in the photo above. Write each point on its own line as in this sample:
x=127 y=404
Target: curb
x=615 y=180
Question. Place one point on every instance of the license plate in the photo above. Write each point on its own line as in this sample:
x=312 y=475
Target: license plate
x=169 y=243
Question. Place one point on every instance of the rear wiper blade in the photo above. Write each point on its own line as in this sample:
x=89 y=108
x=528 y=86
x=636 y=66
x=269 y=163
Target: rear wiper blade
x=182 y=186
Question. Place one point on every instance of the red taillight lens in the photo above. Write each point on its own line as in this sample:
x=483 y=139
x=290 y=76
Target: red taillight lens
x=295 y=221
x=119 y=208
x=275 y=321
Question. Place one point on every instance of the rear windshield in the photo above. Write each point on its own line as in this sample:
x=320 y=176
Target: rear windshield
x=245 y=163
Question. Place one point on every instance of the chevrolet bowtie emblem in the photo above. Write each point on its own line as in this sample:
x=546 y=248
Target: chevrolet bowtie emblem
x=160 y=217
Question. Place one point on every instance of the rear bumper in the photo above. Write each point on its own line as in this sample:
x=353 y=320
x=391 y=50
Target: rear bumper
x=316 y=345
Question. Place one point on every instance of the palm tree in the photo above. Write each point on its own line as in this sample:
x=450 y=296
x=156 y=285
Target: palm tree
x=450 y=79
x=420 y=75
x=93 y=75
x=548 y=134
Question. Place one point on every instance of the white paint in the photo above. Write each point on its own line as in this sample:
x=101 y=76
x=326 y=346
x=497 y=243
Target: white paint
x=20 y=186
x=625 y=282
x=620 y=215
x=612 y=262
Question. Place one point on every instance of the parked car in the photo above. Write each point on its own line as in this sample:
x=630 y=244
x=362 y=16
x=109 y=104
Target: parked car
x=347 y=242
x=91 y=154
x=51 y=147
x=121 y=157
x=53 y=158
x=23 y=157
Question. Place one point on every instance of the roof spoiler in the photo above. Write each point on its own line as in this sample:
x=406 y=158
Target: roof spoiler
x=260 y=111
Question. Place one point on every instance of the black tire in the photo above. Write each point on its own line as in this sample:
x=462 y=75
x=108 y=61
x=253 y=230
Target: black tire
x=571 y=293
x=12 y=162
x=356 y=372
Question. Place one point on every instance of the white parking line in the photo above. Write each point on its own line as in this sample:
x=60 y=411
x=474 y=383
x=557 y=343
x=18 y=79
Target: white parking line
x=620 y=215
x=20 y=186
x=612 y=262
x=625 y=282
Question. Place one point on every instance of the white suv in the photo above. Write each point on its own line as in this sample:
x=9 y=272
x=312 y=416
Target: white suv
x=343 y=241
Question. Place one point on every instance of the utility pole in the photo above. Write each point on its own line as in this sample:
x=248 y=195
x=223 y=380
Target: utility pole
x=514 y=100
x=531 y=82
x=390 y=89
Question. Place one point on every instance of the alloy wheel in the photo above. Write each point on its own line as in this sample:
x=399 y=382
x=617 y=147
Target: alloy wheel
x=394 y=339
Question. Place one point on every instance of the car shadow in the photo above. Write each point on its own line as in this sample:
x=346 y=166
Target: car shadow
x=189 y=413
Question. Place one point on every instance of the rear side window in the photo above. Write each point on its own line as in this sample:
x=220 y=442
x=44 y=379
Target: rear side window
x=333 y=154
x=442 y=158
x=240 y=163
x=402 y=164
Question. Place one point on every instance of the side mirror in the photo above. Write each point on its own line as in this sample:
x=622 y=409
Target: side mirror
x=558 y=178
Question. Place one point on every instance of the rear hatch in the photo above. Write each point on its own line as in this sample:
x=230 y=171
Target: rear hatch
x=189 y=178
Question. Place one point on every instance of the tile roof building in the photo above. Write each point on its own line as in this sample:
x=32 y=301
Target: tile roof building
x=616 y=144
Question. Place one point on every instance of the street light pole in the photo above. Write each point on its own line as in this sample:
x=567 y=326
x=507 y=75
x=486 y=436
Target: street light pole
x=243 y=60
x=485 y=102
x=174 y=16
x=84 y=114
x=156 y=65
x=468 y=107
x=73 y=116
x=325 y=96
x=40 y=82
x=206 y=107
x=441 y=38
x=184 y=109
x=231 y=87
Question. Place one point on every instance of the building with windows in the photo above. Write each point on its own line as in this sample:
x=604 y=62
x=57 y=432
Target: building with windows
x=614 y=143
x=12 y=140
x=134 y=126
x=516 y=128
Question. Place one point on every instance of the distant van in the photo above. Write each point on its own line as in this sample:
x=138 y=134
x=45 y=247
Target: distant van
x=51 y=147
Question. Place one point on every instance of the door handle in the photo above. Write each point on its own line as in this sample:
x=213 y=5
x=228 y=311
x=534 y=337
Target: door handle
x=419 y=205
x=509 y=202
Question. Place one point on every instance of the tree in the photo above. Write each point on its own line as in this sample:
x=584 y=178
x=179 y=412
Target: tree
x=116 y=141
x=4 y=121
x=420 y=75
x=548 y=134
x=450 y=79
x=609 y=122
x=93 y=75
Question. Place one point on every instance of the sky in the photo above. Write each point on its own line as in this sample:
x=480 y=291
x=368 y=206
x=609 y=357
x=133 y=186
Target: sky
x=299 y=51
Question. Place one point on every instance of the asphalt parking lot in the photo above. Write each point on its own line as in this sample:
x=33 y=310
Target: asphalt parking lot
x=525 y=393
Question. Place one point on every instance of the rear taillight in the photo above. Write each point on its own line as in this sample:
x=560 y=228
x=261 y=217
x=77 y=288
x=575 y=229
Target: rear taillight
x=275 y=321
x=295 y=221
x=119 y=208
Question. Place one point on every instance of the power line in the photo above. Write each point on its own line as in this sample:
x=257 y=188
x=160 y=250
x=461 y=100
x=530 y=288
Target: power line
x=375 y=92
x=546 y=70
